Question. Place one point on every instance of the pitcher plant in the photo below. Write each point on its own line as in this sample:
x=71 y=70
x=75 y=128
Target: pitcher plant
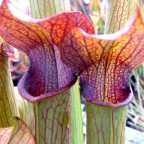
x=47 y=76
x=63 y=47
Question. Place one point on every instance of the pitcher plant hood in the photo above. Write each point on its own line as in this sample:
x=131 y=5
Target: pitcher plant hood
x=39 y=39
x=105 y=62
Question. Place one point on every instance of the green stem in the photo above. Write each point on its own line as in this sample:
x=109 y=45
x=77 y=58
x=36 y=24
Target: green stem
x=117 y=14
x=76 y=115
x=56 y=119
x=8 y=108
x=51 y=119
x=105 y=124
x=42 y=8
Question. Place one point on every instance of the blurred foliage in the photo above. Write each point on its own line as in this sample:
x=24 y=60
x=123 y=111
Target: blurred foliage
x=136 y=107
x=93 y=9
x=19 y=64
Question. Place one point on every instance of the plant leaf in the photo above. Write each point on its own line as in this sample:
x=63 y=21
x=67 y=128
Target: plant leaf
x=19 y=134
x=39 y=39
x=79 y=50
x=5 y=135
x=107 y=60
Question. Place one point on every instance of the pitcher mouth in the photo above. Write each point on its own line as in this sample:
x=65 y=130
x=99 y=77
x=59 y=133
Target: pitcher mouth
x=26 y=95
x=111 y=105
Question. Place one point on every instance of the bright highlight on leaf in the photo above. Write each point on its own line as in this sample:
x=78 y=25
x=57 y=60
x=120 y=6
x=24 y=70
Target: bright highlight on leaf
x=5 y=135
x=47 y=75
x=14 y=135
x=108 y=61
